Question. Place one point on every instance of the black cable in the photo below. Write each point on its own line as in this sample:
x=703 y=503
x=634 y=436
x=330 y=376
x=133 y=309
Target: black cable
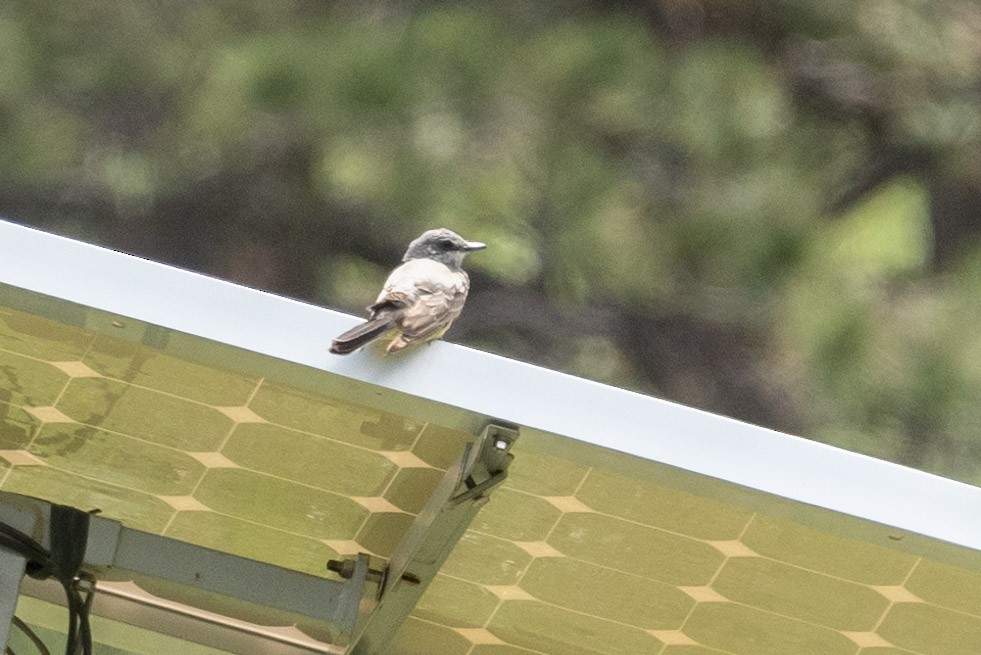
x=41 y=565
x=69 y=530
x=30 y=634
x=71 y=640
x=84 y=612
x=79 y=629
x=38 y=559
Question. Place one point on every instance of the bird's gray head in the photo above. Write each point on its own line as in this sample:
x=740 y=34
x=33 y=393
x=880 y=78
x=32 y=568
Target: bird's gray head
x=442 y=245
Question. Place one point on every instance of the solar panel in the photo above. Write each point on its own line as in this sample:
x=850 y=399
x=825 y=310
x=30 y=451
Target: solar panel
x=624 y=557
x=245 y=462
x=584 y=549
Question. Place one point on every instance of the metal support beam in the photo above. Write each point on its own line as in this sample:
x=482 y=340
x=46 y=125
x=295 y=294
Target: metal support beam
x=184 y=570
x=184 y=580
x=127 y=603
x=11 y=571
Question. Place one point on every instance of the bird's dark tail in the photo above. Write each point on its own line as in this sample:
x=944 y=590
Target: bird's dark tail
x=361 y=335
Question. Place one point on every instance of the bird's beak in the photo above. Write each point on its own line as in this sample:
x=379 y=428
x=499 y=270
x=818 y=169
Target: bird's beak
x=475 y=245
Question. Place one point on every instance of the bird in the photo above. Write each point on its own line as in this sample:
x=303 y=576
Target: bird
x=420 y=299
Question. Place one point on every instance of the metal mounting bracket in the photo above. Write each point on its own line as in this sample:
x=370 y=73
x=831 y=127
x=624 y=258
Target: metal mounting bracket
x=462 y=491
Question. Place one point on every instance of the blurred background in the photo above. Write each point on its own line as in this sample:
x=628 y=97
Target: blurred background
x=768 y=210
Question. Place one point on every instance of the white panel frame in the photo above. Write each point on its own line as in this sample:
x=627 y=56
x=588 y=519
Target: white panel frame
x=462 y=385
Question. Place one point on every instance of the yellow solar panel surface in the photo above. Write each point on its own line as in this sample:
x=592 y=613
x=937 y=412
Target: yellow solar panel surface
x=583 y=551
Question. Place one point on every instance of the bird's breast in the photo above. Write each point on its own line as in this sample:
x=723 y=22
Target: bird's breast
x=424 y=276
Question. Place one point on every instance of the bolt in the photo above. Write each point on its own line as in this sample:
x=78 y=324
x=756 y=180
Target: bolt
x=342 y=567
x=345 y=569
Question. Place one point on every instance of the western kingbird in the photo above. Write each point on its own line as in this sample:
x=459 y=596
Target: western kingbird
x=420 y=299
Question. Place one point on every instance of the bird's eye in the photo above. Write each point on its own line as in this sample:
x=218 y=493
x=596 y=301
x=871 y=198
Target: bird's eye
x=445 y=244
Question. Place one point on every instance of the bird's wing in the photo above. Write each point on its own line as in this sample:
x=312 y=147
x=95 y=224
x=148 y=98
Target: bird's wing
x=433 y=312
x=426 y=296
x=400 y=289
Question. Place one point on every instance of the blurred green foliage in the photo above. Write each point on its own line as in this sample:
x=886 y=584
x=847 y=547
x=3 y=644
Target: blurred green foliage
x=762 y=209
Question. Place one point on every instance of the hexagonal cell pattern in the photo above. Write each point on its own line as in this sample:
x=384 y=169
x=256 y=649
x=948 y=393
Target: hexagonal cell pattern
x=567 y=558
